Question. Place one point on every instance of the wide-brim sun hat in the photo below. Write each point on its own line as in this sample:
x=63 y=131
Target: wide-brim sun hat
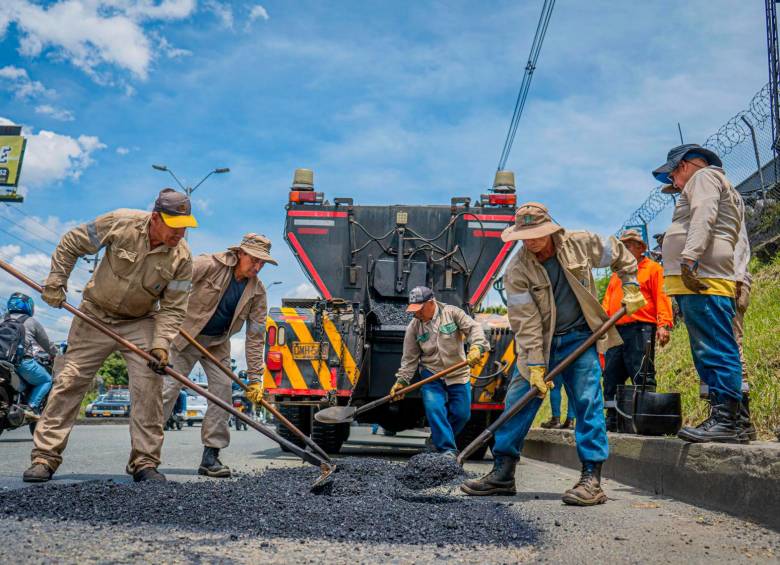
x=258 y=246
x=532 y=221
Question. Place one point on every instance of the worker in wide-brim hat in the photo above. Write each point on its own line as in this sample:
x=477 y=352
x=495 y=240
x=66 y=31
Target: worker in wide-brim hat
x=553 y=308
x=634 y=360
x=227 y=296
x=699 y=271
x=140 y=289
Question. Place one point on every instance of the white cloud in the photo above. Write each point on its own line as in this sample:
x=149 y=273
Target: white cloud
x=9 y=251
x=257 y=12
x=94 y=34
x=304 y=290
x=122 y=150
x=203 y=205
x=16 y=80
x=54 y=113
x=223 y=12
x=34 y=228
x=51 y=157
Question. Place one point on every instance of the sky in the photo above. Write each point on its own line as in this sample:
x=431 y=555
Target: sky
x=388 y=102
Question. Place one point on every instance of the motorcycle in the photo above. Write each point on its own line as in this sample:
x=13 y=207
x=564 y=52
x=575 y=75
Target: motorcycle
x=12 y=416
x=241 y=404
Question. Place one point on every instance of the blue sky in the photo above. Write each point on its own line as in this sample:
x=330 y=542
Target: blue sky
x=388 y=102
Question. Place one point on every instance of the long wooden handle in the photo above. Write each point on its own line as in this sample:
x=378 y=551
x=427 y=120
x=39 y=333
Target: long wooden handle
x=305 y=455
x=263 y=402
x=411 y=387
x=532 y=393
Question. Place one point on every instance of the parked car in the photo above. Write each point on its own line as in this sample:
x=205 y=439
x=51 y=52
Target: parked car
x=116 y=402
x=196 y=408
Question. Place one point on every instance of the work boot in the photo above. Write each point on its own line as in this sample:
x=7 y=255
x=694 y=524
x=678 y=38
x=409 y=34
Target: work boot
x=37 y=473
x=148 y=474
x=721 y=427
x=611 y=420
x=587 y=491
x=211 y=466
x=747 y=431
x=567 y=424
x=30 y=414
x=552 y=423
x=501 y=480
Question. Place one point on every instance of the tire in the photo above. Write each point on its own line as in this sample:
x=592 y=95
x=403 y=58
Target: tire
x=475 y=426
x=300 y=417
x=330 y=437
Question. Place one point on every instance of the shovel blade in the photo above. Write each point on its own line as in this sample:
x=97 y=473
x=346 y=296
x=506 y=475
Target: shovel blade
x=324 y=481
x=336 y=415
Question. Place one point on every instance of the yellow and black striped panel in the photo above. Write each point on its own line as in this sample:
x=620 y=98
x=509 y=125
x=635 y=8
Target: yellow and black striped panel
x=502 y=350
x=309 y=376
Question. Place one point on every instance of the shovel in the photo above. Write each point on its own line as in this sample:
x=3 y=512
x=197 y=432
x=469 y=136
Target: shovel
x=325 y=467
x=485 y=436
x=344 y=414
x=263 y=402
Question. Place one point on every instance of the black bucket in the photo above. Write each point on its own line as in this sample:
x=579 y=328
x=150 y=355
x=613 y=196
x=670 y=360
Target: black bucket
x=642 y=411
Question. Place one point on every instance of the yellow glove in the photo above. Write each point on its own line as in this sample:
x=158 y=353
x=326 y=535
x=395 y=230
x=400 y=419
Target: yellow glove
x=632 y=298
x=254 y=392
x=54 y=296
x=537 y=379
x=395 y=388
x=474 y=355
x=160 y=360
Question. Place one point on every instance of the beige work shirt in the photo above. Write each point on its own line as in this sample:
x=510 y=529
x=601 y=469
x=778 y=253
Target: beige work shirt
x=530 y=300
x=211 y=276
x=131 y=281
x=438 y=344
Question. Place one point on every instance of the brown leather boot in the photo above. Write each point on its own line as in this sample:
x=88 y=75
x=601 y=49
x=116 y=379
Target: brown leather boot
x=552 y=423
x=499 y=481
x=587 y=491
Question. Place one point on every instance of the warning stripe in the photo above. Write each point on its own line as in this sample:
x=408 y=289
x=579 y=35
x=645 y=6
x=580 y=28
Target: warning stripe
x=335 y=339
x=289 y=367
x=301 y=330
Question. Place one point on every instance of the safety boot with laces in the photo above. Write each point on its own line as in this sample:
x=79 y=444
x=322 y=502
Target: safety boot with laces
x=587 y=491
x=211 y=466
x=720 y=427
x=499 y=481
x=552 y=423
x=37 y=473
x=747 y=431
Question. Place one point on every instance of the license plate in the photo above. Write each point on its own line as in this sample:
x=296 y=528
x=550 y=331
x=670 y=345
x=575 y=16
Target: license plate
x=191 y=413
x=106 y=413
x=309 y=350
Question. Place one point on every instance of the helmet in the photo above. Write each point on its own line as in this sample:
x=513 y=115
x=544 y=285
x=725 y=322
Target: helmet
x=20 y=303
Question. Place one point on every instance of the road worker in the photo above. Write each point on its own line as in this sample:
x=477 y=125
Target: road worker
x=553 y=308
x=635 y=359
x=226 y=295
x=433 y=342
x=139 y=289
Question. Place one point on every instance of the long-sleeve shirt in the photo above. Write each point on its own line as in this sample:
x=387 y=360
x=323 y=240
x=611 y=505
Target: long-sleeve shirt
x=650 y=276
x=132 y=280
x=35 y=337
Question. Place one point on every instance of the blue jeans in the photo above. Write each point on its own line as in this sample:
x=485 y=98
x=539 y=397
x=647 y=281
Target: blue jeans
x=582 y=381
x=713 y=347
x=33 y=374
x=448 y=409
x=555 y=401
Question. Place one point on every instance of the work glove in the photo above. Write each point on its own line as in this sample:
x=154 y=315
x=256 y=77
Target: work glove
x=255 y=391
x=632 y=298
x=474 y=355
x=690 y=279
x=160 y=361
x=395 y=388
x=54 y=296
x=537 y=379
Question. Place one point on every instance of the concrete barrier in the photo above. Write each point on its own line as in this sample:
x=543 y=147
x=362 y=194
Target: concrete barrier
x=743 y=480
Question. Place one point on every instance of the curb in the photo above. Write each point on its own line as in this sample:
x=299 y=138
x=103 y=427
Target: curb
x=742 y=480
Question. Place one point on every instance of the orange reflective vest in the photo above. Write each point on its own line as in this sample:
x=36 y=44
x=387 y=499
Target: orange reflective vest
x=650 y=276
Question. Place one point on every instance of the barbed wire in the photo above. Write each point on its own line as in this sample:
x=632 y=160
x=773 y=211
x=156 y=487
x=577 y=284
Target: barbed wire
x=731 y=135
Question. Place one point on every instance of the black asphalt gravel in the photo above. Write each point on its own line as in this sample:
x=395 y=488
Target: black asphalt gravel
x=370 y=500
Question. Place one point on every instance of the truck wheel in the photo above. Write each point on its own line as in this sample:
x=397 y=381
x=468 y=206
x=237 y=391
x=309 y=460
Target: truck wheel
x=329 y=437
x=300 y=417
x=475 y=426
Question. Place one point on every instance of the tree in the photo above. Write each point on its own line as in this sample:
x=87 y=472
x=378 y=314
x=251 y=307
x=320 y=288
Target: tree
x=114 y=370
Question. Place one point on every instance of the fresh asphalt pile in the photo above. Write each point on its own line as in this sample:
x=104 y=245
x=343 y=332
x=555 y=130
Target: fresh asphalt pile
x=370 y=500
x=392 y=314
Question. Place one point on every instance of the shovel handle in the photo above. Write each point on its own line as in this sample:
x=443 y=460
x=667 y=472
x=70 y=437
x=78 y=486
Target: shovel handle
x=263 y=402
x=508 y=413
x=306 y=456
x=411 y=387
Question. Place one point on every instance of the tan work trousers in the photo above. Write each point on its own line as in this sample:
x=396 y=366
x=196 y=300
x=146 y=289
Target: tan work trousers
x=87 y=349
x=738 y=323
x=214 y=430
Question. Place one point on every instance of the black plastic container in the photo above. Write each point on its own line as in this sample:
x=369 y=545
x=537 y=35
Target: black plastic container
x=645 y=412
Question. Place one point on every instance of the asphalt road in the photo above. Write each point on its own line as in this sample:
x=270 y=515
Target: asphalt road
x=633 y=527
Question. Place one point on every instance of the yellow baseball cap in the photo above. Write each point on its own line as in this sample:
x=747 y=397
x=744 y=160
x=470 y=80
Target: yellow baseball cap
x=175 y=209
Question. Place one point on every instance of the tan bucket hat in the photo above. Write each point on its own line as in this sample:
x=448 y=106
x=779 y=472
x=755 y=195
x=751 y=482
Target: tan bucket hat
x=532 y=220
x=257 y=246
x=632 y=235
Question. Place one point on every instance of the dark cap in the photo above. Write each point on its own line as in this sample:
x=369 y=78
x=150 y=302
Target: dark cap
x=175 y=209
x=681 y=152
x=418 y=296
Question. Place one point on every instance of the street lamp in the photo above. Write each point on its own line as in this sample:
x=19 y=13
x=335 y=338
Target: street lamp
x=188 y=190
x=273 y=283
